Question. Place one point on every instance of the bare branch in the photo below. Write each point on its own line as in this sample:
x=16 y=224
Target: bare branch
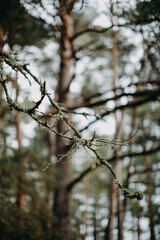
x=95 y=165
x=97 y=30
x=151 y=97
x=102 y=102
x=89 y=30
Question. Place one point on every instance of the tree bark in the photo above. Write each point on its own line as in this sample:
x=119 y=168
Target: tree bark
x=1 y=38
x=20 y=198
x=133 y=125
x=95 y=221
x=62 y=199
x=85 y=214
x=20 y=189
x=138 y=229
x=113 y=209
x=149 y=189
x=116 y=203
x=150 y=203
x=51 y=142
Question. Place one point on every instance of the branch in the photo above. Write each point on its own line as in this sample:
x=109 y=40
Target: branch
x=87 y=30
x=101 y=102
x=101 y=161
x=90 y=103
x=13 y=105
x=138 y=84
x=151 y=97
x=22 y=68
x=97 y=30
x=96 y=165
x=149 y=169
x=132 y=194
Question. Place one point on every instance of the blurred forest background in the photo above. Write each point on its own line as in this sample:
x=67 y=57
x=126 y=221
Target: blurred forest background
x=79 y=89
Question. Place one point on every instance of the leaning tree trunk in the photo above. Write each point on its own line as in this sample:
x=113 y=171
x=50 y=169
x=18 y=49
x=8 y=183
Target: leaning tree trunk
x=62 y=199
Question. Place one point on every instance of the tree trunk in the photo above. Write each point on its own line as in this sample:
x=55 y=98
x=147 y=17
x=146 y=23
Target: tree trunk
x=133 y=126
x=150 y=203
x=147 y=161
x=85 y=214
x=118 y=170
x=62 y=199
x=1 y=38
x=51 y=142
x=20 y=188
x=113 y=209
x=138 y=229
x=116 y=203
x=95 y=223
x=149 y=189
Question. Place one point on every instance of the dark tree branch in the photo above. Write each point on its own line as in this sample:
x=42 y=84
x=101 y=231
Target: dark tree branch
x=151 y=97
x=101 y=102
x=96 y=165
x=13 y=105
x=98 y=30
x=89 y=30
x=90 y=102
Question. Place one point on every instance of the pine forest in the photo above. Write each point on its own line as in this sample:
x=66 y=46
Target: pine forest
x=79 y=120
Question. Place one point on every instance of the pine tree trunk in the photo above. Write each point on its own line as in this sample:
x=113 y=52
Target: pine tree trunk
x=51 y=142
x=85 y=214
x=150 y=203
x=62 y=200
x=138 y=229
x=133 y=126
x=116 y=203
x=118 y=170
x=95 y=224
x=1 y=38
x=20 y=188
x=113 y=209
x=147 y=160
x=149 y=189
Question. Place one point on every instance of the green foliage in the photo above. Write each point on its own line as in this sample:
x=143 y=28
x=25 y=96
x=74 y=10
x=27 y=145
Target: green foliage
x=39 y=211
x=18 y=24
x=148 y=11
